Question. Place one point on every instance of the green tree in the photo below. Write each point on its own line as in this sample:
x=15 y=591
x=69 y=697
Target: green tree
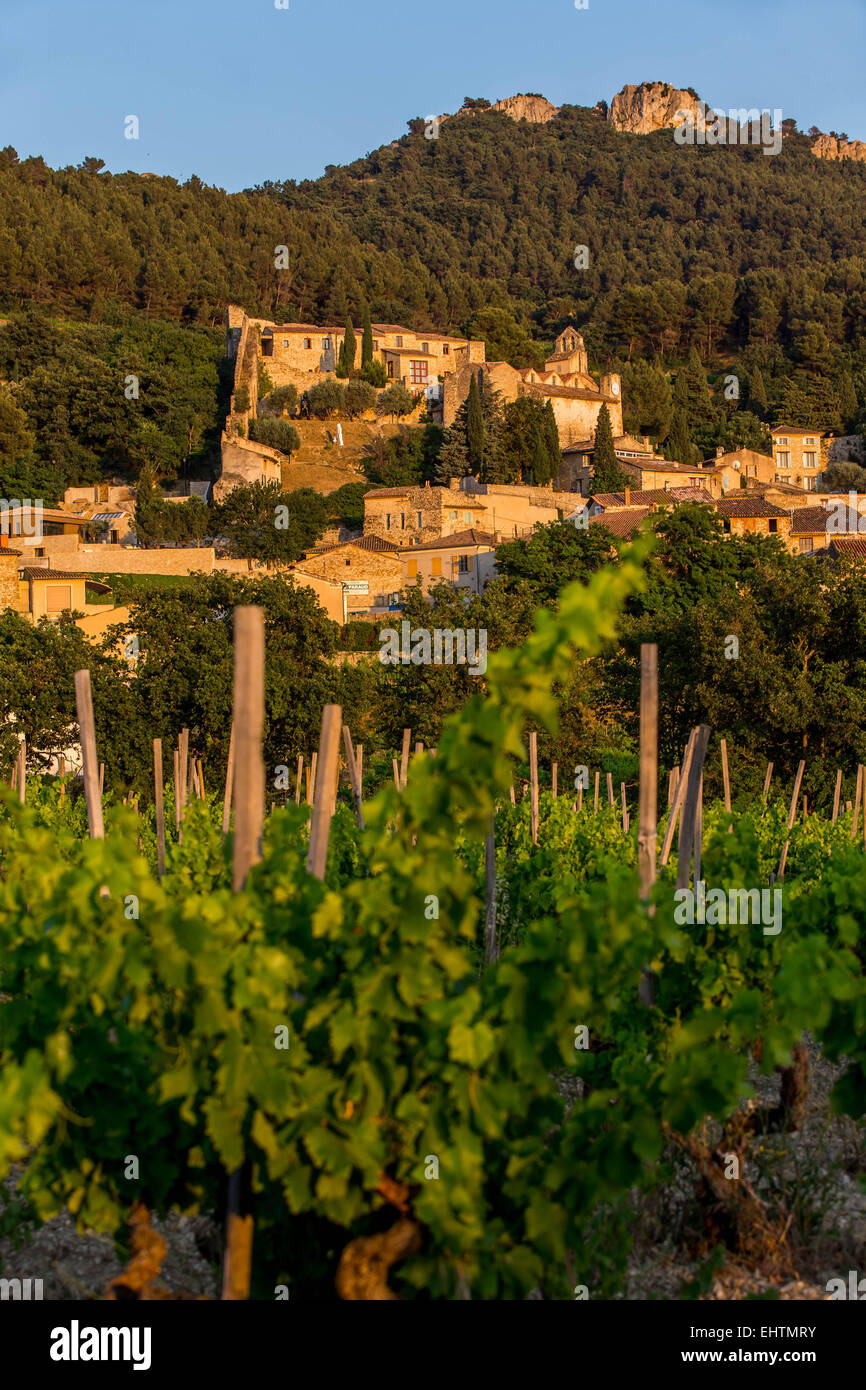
x=607 y=475
x=474 y=429
x=367 y=341
x=396 y=401
x=276 y=433
x=348 y=349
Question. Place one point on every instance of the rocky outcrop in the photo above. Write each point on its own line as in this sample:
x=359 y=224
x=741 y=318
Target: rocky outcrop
x=538 y=110
x=650 y=106
x=830 y=147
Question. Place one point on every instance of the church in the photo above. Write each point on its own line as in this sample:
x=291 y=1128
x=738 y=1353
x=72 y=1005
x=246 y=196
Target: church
x=576 y=396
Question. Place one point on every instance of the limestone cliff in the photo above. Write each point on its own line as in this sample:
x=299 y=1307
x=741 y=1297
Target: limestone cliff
x=650 y=106
x=536 y=109
x=829 y=147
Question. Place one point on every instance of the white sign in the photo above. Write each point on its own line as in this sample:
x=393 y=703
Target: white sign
x=356 y=588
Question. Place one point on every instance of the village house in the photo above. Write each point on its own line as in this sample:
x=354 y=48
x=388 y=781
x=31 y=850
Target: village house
x=799 y=456
x=742 y=516
x=465 y=559
x=299 y=353
x=736 y=468
x=576 y=396
x=578 y=460
x=410 y=515
x=367 y=570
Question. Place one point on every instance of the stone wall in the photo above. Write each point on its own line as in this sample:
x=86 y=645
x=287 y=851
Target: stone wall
x=124 y=559
x=245 y=462
x=383 y=573
x=9 y=582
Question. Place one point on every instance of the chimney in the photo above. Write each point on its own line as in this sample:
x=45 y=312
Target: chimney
x=628 y=496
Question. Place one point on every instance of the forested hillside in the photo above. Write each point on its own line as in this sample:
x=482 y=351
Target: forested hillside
x=722 y=255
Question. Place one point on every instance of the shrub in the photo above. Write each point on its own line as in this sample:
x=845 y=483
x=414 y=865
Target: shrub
x=396 y=401
x=359 y=396
x=326 y=398
x=242 y=398
x=284 y=398
x=277 y=434
x=376 y=375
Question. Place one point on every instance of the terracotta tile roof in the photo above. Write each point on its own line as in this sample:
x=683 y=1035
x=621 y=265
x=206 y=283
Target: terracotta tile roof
x=642 y=497
x=389 y=491
x=459 y=538
x=361 y=543
x=748 y=507
x=796 y=429
x=807 y=520
x=622 y=523
x=854 y=546
x=5 y=550
x=36 y=572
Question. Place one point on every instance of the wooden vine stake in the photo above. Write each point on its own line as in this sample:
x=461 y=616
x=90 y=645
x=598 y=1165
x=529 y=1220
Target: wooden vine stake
x=595 y=802
x=624 y=808
x=354 y=776
x=101 y=778
x=90 y=763
x=230 y=775
x=647 y=828
x=689 y=819
x=176 y=796
x=326 y=767
x=404 y=757
x=249 y=803
x=533 y=782
x=554 y=778
x=359 y=764
x=767 y=780
x=299 y=779
x=22 y=771
x=792 y=816
x=679 y=798
x=159 y=806
x=610 y=796
x=312 y=787
x=836 y=796
x=857 y=797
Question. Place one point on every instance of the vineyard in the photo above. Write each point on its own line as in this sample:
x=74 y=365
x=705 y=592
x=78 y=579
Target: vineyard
x=446 y=1041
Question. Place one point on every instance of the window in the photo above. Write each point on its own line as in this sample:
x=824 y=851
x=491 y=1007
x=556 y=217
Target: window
x=390 y=368
x=417 y=373
x=773 y=526
x=452 y=516
x=411 y=569
x=285 y=342
x=399 y=340
x=348 y=562
x=467 y=517
x=58 y=597
x=420 y=520
x=326 y=345
x=437 y=564
x=464 y=564
x=446 y=348
x=806 y=545
x=267 y=347
x=375 y=344
x=402 y=521
x=425 y=347
x=808 y=441
x=783 y=441
x=308 y=343
x=387 y=521
x=783 y=460
x=810 y=460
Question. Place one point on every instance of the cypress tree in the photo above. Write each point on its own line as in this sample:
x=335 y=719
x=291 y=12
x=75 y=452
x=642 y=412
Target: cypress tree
x=607 y=476
x=367 y=341
x=679 y=447
x=474 y=427
x=758 y=394
x=554 y=448
x=348 y=348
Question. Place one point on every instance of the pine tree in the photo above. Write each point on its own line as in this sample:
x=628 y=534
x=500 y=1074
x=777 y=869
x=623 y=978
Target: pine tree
x=454 y=460
x=607 y=476
x=474 y=428
x=367 y=341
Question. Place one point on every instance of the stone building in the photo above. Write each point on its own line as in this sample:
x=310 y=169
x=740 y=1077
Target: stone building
x=742 y=516
x=800 y=456
x=408 y=516
x=368 y=571
x=465 y=559
x=566 y=382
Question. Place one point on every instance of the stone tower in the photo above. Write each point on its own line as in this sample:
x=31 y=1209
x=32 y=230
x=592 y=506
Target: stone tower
x=570 y=354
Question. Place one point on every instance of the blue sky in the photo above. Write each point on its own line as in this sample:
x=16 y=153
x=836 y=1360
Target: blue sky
x=238 y=91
